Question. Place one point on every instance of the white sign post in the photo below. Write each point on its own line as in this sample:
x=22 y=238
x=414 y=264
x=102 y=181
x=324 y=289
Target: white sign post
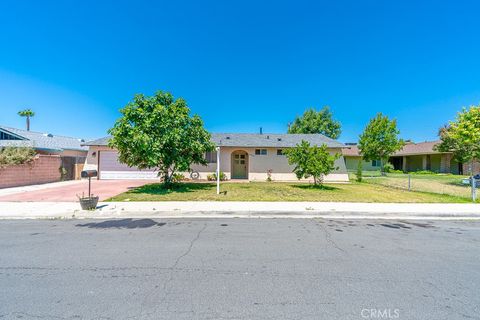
x=218 y=169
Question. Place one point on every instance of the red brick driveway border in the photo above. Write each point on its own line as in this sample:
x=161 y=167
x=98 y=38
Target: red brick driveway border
x=67 y=192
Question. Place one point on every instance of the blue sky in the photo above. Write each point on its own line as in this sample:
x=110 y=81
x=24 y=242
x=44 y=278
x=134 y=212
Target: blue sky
x=240 y=64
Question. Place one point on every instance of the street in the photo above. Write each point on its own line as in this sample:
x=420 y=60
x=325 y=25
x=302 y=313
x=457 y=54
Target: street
x=239 y=269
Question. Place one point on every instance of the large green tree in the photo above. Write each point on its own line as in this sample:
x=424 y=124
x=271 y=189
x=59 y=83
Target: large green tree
x=313 y=121
x=462 y=136
x=380 y=140
x=27 y=113
x=311 y=161
x=158 y=132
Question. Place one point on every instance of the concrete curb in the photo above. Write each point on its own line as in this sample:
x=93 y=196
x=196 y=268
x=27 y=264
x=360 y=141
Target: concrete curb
x=304 y=210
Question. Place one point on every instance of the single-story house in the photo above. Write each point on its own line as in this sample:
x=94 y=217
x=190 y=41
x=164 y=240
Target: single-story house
x=242 y=156
x=70 y=150
x=412 y=157
x=43 y=143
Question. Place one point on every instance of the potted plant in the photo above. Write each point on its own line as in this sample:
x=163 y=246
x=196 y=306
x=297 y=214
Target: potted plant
x=89 y=202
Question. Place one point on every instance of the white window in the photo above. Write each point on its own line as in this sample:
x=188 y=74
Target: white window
x=375 y=163
x=261 y=152
x=211 y=157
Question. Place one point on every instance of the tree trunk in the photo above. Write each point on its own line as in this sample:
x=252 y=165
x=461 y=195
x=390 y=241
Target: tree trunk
x=28 y=123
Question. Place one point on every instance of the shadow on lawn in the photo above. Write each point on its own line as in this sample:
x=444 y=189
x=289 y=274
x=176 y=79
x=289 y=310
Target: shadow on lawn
x=159 y=189
x=314 y=187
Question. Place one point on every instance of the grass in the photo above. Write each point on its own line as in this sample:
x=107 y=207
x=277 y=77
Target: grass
x=281 y=191
x=447 y=184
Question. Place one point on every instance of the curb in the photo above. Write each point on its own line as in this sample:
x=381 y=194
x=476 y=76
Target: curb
x=243 y=215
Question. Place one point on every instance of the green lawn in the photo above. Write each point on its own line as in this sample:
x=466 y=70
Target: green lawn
x=435 y=183
x=281 y=191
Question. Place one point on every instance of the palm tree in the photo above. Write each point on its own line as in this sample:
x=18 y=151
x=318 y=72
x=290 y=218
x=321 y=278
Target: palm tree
x=27 y=113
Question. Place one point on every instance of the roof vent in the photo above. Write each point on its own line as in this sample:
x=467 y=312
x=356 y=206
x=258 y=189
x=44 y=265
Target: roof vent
x=228 y=138
x=48 y=135
x=81 y=140
x=279 y=139
x=268 y=137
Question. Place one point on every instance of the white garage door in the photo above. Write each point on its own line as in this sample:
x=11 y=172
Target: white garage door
x=110 y=168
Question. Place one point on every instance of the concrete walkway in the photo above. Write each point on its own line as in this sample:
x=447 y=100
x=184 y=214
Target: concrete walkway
x=111 y=210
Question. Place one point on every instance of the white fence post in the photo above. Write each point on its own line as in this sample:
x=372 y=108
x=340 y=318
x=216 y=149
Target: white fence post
x=218 y=169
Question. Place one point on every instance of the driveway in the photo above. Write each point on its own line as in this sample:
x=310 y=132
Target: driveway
x=67 y=191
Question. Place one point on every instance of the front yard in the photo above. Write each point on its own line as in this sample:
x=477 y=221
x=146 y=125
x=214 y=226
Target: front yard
x=282 y=191
x=447 y=184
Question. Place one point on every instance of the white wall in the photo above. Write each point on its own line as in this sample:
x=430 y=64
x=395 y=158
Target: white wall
x=258 y=165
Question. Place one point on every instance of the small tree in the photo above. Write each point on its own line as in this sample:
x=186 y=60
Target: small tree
x=359 y=170
x=311 y=161
x=28 y=113
x=158 y=132
x=313 y=121
x=462 y=136
x=380 y=140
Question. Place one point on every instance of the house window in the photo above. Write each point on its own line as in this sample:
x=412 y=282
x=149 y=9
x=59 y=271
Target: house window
x=261 y=152
x=279 y=152
x=375 y=163
x=211 y=157
x=6 y=136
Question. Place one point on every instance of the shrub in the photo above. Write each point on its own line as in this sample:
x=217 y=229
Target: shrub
x=63 y=173
x=359 y=171
x=269 y=175
x=177 y=177
x=422 y=172
x=388 y=167
x=11 y=156
x=396 y=171
x=213 y=176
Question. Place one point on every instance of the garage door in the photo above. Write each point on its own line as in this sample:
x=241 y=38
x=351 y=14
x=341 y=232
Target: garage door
x=110 y=168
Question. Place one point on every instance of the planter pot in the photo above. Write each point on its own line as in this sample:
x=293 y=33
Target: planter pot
x=88 y=203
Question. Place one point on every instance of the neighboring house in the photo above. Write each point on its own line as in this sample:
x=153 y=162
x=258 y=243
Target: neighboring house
x=43 y=143
x=242 y=156
x=412 y=157
x=70 y=150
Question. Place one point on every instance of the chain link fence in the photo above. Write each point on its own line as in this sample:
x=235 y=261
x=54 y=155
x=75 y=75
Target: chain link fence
x=453 y=185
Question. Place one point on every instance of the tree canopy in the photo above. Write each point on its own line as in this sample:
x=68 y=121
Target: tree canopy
x=380 y=139
x=311 y=161
x=313 y=121
x=158 y=132
x=462 y=136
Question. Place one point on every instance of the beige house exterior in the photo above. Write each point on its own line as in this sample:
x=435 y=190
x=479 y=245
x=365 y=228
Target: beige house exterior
x=249 y=157
x=412 y=157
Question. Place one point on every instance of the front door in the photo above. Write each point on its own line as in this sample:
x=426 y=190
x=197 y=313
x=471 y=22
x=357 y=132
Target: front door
x=239 y=165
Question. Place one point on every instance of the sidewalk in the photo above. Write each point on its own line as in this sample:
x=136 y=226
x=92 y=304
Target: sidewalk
x=331 y=210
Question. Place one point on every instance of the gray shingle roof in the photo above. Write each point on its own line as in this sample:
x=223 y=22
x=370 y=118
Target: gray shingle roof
x=97 y=142
x=39 y=140
x=255 y=140
x=271 y=140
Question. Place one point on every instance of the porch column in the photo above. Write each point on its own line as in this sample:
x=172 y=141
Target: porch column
x=424 y=162
x=404 y=164
x=445 y=162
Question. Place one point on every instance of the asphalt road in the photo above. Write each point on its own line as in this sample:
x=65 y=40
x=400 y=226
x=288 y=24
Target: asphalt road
x=239 y=269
